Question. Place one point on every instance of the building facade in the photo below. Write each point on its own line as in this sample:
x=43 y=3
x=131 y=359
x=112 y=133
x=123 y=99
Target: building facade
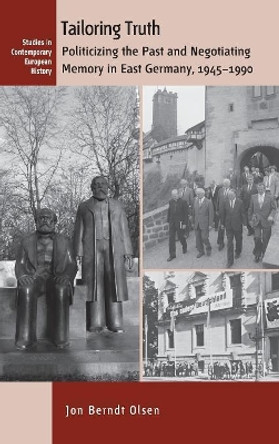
x=242 y=128
x=219 y=316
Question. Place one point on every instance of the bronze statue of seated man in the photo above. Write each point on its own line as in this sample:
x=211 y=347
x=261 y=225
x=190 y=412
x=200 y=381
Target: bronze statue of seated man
x=45 y=265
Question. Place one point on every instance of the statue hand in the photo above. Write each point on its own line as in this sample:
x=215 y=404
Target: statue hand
x=129 y=261
x=24 y=281
x=79 y=259
x=62 y=280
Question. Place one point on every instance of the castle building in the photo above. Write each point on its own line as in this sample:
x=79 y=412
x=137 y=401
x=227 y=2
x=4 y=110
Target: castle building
x=241 y=128
x=165 y=112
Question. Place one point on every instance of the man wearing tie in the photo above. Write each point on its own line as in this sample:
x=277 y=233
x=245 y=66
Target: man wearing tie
x=222 y=198
x=203 y=219
x=187 y=194
x=213 y=195
x=244 y=175
x=233 y=219
x=261 y=215
x=246 y=192
x=177 y=218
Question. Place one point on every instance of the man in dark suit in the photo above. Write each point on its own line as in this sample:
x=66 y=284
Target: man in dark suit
x=177 y=218
x=186 y=193
x=213 y=190
x=258 y=177
x=233 y=219
x=244 y=176
x=203 y=220
x=222 y=198
x=261 y=215
x=45 y=265
x=233 y=178
x=246 y=192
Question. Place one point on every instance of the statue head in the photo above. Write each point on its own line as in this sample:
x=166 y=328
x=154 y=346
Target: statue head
x=99 y=186
x=45 y=221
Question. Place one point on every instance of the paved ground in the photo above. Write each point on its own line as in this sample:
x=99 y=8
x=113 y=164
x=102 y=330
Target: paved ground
x=272 y=377
x=156 y=257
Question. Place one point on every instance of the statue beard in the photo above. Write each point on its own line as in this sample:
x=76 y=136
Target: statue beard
x=46 y=229
x=101 y=195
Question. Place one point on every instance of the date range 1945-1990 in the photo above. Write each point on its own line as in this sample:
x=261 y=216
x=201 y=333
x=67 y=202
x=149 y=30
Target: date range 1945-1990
x=218 y=70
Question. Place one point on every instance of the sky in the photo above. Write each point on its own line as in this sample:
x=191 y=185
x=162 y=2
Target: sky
x=190 y=105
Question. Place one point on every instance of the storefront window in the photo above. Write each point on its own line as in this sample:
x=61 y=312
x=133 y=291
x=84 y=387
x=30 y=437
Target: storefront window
x=275 y=281
x=235 y=331
x=199 y=335
x=170 y=338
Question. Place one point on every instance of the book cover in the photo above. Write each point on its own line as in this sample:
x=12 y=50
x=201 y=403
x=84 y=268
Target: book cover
x=99 y=67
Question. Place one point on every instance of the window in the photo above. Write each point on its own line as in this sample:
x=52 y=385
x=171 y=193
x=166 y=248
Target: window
x=235 y=331
x=275 y=281
x=199 y=290
x=270 y=90
x=170 y=295
x=257 y=91
x=231 y=107
x=170 y=338
x=235 y=281
x=199 y=335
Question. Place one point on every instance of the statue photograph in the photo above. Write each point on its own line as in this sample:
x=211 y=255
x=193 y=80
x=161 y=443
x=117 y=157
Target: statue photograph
x=102 y=243
x=69 y=245
x=45 y=265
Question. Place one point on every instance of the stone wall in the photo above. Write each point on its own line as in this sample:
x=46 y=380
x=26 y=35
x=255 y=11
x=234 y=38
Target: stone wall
x=174 y=162
x=155 y=227
x=239 y=125
x=225 y=116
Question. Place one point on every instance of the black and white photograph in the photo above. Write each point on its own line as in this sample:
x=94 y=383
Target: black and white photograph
x=211 y=326
x=211 y=182
x=69 y=223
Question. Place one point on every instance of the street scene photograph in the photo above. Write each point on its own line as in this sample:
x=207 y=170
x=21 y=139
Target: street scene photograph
x=69 y=223
x=210 y=177
x=210 y=326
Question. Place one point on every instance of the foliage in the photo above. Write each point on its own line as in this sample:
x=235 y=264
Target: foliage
x=105 y=132
x=50 y=165
x=157 y=192
x=28 y=117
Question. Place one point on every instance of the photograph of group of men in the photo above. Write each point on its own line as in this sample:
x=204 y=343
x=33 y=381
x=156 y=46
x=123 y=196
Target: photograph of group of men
x=247 y=200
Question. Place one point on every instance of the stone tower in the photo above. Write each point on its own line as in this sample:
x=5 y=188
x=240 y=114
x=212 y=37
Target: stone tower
x=165 y=112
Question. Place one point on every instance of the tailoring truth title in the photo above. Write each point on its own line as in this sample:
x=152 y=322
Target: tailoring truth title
x=80 y=27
